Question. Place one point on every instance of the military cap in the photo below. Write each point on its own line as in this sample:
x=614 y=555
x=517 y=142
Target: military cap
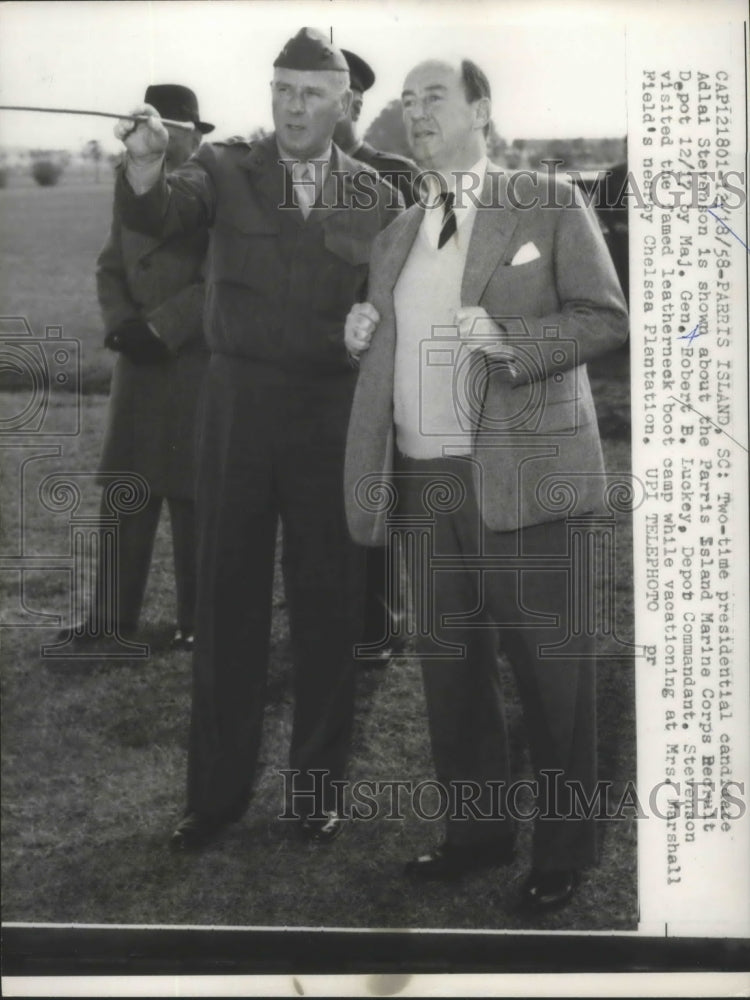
x=179 y=103
x=310 y=50
x=361 y=73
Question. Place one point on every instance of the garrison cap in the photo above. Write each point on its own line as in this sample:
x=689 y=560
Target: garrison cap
x=310 y=50
x=362 y=76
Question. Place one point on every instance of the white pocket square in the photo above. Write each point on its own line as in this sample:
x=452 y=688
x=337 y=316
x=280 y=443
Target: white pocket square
x=525 y=254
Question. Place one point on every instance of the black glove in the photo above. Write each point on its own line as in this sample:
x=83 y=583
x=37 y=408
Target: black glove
x=137 y=341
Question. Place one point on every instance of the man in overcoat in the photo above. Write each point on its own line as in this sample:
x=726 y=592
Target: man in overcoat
x=292 y=220
x=473 y=428
x=151 y=294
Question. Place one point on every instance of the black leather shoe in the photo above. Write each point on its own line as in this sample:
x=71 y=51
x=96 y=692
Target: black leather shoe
x=182 y=640
x=544 y=891
x=323 y=830
x=385 y=655
x=448 y=861
x=398 y=645
x=380 y=660
x=194 y=831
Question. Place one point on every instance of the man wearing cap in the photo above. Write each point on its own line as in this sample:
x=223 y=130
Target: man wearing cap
x=397 y=170
x=151 y=294
x=291 y=220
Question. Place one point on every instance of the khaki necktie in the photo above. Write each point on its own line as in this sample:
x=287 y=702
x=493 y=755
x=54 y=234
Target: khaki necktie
x=304 y=186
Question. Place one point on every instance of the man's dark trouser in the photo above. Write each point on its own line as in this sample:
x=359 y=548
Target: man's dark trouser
x=135 y=543
x=271 y=445
x=464 y=693
x=382 y=607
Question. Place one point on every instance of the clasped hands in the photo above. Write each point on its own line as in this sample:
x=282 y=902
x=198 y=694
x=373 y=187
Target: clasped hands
x=475 y=328
x=140 y=344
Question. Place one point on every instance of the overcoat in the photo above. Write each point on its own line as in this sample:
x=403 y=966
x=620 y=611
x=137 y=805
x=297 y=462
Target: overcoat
x=152 y=409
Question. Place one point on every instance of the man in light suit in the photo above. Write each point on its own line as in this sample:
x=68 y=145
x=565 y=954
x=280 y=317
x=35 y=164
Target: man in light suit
x=474 y=406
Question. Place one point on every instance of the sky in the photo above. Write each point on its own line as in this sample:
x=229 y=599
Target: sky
x=556 y=69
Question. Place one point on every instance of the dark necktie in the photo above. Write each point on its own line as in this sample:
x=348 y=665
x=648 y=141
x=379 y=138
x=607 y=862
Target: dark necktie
x=449 y=220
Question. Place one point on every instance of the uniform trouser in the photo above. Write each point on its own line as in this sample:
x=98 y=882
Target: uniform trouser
x=135 y=543
x=382 y=604
x=271 y=446
x=463 y=689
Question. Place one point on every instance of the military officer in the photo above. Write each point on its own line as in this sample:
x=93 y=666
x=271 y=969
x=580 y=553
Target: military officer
x=292 y=220
x=397 y=170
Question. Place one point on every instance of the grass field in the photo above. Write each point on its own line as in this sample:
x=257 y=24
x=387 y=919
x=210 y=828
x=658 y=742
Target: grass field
x=49 y=241
x=94 y=750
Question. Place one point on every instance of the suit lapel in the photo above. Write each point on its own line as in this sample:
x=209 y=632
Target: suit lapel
x=493 y=228
x=494 y=225
x=402 y=231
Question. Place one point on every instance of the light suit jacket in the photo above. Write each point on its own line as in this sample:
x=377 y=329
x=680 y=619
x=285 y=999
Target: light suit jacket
x=535 y=443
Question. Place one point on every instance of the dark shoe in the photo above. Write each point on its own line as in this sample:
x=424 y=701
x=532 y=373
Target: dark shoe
x=398 y=645
x=194 y=831
x=323 y=830
x=182 y=640
x=386 y=654
x=544 y=891
x=378 y=660
x=448 y=861
x=395 y=648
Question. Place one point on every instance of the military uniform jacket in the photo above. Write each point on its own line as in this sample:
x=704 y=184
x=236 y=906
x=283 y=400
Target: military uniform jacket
x=152 y=409
x=279 y=287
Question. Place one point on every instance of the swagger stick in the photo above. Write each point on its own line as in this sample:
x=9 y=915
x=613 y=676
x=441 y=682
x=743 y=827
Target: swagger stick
x=188 y=126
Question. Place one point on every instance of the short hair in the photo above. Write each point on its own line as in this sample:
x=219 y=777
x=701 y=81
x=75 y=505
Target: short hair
x=476 y=85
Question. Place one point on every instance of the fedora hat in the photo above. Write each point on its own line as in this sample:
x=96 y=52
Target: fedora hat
x=179 y=103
